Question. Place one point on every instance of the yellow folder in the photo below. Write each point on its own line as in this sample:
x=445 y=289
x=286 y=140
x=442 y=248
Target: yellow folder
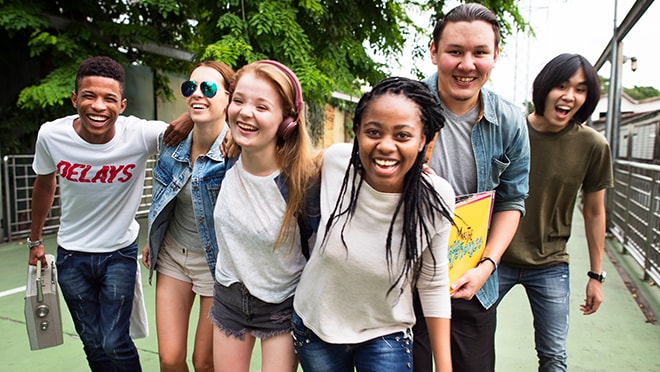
x=467 y=238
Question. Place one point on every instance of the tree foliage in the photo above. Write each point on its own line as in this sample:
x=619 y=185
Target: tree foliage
x=639 y=93
x=330 y=44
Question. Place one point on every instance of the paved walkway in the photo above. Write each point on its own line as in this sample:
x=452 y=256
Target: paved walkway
x=617 y=338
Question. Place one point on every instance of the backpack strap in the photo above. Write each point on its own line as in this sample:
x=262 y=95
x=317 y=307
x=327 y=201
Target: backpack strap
x=229 y=163
x=310 y=218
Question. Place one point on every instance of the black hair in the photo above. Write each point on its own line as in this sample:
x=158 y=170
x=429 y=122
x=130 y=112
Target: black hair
x=469 y=12
x=558 y=71
x=101 y=66
x=420 y=203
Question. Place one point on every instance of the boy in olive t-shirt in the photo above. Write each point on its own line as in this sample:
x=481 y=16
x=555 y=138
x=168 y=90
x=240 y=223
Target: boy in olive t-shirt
x=566 y=158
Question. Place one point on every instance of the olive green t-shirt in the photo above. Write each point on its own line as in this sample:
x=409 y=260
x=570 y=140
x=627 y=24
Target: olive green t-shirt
x=563 y=163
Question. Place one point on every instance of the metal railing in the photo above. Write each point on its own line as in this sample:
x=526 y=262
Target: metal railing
x=635 y=210
x=635 y=214
x=18 y=179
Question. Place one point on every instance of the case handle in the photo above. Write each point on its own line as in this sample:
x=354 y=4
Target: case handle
x=40 y=291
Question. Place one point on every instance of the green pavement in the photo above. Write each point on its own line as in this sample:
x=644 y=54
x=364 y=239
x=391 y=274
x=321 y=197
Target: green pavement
x=15 y=353
x=616 y=338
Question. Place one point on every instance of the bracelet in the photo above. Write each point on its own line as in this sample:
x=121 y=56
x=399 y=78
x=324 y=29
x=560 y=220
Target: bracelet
x=486 y=258
x=36 y=243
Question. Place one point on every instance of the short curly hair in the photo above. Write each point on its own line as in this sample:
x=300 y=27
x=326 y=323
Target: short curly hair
x=101 y=66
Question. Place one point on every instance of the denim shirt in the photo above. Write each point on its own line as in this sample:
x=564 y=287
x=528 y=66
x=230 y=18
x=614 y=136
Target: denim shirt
x=172 y=171
x=500 y=144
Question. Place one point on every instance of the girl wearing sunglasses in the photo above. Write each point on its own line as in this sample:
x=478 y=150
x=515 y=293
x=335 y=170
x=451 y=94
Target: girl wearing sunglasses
x=259 y=246
x=182 y=244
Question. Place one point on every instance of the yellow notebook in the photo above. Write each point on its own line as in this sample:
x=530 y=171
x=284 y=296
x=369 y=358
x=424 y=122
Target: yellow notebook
x=467 y=239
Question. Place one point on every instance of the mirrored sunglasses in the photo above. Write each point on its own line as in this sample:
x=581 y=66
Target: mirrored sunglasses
x=208 y=88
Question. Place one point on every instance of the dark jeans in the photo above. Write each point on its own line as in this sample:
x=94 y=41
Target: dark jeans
x=98 y=290
x=422 y=353
x=472 y=337
x=389 y=353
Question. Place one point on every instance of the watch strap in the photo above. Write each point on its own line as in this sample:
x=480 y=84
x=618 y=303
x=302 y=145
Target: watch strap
x=35 y=243
x=596 y=276
x=486 y=258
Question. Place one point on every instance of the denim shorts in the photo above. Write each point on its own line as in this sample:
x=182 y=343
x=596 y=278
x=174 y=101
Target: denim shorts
x=236 y=312
x=186 y=265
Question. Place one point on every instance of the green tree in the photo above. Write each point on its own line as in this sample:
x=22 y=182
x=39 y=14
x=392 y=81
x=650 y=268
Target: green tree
x=48 y=38
x=639 y=93
x=329 y=44
x=604 y=84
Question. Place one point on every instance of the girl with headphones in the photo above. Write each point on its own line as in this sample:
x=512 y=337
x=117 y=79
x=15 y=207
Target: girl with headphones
x=256 y=219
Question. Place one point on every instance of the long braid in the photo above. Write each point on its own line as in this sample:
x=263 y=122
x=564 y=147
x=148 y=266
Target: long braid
x=420 y=202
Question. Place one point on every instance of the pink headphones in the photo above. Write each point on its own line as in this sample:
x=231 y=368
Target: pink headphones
x=290 y=123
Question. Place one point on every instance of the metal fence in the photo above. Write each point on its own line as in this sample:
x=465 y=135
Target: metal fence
x=18 y=179
x=635 y=214
x=635 y=210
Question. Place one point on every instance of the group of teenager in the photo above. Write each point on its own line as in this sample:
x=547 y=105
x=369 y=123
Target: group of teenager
x=337 y=261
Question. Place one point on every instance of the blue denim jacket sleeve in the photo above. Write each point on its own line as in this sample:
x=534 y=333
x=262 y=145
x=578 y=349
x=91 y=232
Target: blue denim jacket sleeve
x=504 y=164
x=500 y=144
x=171 y=173
x=505 y=161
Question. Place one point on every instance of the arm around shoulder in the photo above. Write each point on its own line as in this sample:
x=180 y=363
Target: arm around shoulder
x=178 y=130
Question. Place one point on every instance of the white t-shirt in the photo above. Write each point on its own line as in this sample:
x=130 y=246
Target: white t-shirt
x=342 y=294
x=100 y=185
x=247 y=219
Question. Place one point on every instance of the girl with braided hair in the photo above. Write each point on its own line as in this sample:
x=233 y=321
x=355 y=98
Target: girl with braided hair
x=384 y=231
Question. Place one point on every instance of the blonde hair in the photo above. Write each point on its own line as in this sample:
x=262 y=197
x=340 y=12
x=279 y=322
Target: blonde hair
x=295 y=156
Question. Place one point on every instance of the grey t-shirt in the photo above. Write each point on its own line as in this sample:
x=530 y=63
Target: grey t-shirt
x=183 y=227
x=452 y=157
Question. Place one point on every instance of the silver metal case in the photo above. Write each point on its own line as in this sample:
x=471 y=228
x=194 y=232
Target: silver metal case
x=42 y=306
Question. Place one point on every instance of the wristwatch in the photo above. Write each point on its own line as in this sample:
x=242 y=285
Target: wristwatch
x=35 y=243
x=600 y=277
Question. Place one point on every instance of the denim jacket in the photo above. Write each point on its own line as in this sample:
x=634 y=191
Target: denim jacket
x=173 y=169
x=500 y=144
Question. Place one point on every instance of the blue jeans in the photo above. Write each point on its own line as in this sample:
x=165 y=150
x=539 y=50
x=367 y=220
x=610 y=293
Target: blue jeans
x=392 y=353
x=98 y=290
x=548 y=293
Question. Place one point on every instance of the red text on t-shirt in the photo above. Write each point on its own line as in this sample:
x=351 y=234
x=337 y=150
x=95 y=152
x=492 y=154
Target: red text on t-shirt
x=76 y=172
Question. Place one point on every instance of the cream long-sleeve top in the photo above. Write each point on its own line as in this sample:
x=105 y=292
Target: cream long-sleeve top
x=343 y=295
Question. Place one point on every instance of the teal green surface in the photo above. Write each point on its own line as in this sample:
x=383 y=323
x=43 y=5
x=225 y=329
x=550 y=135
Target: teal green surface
x=15 y=353
x=616 y=338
